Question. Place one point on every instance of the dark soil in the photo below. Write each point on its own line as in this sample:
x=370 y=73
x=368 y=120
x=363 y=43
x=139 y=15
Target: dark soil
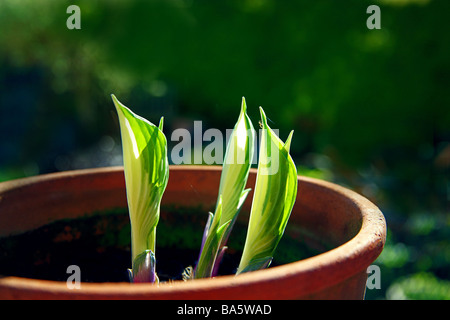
x=100 y=246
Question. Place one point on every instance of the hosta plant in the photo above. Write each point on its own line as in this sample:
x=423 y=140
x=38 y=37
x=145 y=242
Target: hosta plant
x=232 y=194
x=146 y=170
x=274 y=197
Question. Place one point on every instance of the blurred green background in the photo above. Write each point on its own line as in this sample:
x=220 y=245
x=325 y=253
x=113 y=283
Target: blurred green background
x=370 y=108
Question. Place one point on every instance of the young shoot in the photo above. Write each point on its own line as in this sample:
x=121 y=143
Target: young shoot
x=146 y=168
x=274 y=197
x=232 y=194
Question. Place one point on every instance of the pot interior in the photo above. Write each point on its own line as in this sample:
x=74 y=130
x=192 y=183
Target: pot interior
x=100 y=246
x=50 y=222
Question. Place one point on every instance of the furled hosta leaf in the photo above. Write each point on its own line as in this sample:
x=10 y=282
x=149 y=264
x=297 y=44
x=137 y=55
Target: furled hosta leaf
x=232 y=192
x=146 y=168
x=274 y=197
x=210 y=248
x=235 y=169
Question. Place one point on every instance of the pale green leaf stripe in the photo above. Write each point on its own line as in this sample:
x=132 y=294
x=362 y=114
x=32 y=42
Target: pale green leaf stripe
x=274 y=197
x=146 y=170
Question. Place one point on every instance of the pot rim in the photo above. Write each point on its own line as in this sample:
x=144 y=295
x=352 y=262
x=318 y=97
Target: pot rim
x=343 y=261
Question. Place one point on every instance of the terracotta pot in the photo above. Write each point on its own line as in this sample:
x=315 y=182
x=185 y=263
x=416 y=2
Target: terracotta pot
x=354 y=226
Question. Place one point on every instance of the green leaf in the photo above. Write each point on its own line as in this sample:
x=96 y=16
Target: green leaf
x=274 y=198
x=257 y=264
x=215 y=233
x=235 y=169
x=146 y=168
x=232 y=193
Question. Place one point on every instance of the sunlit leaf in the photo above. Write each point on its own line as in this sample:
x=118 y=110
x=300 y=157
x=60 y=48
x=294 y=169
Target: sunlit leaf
x=232 y=192
x=236 y=167
x=146 y=170
x=274 y=197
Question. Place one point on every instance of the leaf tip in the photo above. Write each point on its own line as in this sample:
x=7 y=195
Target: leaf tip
x=161 y=123
x=287 y=145
x=243 y=105
x=114 y=98
x=117 y=103
x=263 y=117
